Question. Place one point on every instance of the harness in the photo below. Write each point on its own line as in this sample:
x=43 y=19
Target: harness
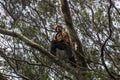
x=62 y=36
x=59 y=36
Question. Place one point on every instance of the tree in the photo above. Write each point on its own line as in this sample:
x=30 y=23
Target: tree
x=26 y=30
x=74 y=37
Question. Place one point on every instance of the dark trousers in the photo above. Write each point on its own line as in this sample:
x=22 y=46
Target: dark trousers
x=63 y=46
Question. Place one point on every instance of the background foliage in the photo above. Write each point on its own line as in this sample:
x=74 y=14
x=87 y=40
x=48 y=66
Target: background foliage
x=35 y=19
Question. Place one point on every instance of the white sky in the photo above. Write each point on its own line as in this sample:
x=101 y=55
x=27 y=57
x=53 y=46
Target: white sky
x=117 y=4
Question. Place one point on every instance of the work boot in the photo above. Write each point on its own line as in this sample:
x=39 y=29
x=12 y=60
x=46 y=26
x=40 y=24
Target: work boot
x=73 y=62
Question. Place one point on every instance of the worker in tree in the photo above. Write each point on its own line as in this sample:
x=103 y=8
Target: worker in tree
x=62 y=41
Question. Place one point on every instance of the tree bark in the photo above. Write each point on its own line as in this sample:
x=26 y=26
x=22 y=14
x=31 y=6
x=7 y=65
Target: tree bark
x=73 y=34
x=39 y=48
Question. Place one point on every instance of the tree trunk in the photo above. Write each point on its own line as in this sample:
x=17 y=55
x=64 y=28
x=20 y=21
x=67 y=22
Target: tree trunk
x=73 y=35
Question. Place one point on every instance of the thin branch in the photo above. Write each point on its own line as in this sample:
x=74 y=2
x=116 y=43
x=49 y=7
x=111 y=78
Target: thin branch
x=104 y=44
x=29 y=63
x=7 y=11
x=115 y=8
x=39 y=48
x=12 y=66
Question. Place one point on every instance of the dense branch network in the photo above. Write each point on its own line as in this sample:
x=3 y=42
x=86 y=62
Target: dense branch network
x=39 y=48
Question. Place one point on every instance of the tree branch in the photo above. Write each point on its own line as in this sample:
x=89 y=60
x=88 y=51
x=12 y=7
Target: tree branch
x=104 y=44
x=12 y=65
x=72 y=33
x=115 y=8
x=39 y=48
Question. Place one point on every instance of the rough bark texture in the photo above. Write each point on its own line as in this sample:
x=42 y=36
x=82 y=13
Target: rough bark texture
x=72 y=33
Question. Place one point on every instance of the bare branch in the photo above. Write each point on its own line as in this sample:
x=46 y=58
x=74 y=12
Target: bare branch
x=104 y=44
x=12 y=65
x=72 y=33
x=41 y=49
x=115 y=8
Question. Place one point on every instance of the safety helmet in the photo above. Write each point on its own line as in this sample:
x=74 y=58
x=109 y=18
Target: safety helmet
x=57 y=25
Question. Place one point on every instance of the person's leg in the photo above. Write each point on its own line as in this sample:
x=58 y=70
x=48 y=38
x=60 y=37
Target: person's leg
x=53 y=47
x=68 y=49
x=56 y=45
x=72 y=61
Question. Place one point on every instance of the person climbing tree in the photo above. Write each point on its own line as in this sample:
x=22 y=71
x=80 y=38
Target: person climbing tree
x=62 y=41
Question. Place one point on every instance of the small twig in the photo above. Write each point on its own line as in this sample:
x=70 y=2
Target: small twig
x=116 y=8
x=12 y=66
x=104 y=44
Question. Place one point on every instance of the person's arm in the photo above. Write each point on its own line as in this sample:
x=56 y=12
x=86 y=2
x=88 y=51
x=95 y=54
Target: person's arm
x=59 y=37
x=66 y=37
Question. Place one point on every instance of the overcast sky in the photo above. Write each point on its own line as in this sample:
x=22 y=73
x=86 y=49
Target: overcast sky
x=117 y=4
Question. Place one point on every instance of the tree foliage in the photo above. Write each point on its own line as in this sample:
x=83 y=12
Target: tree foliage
x=26 y=28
